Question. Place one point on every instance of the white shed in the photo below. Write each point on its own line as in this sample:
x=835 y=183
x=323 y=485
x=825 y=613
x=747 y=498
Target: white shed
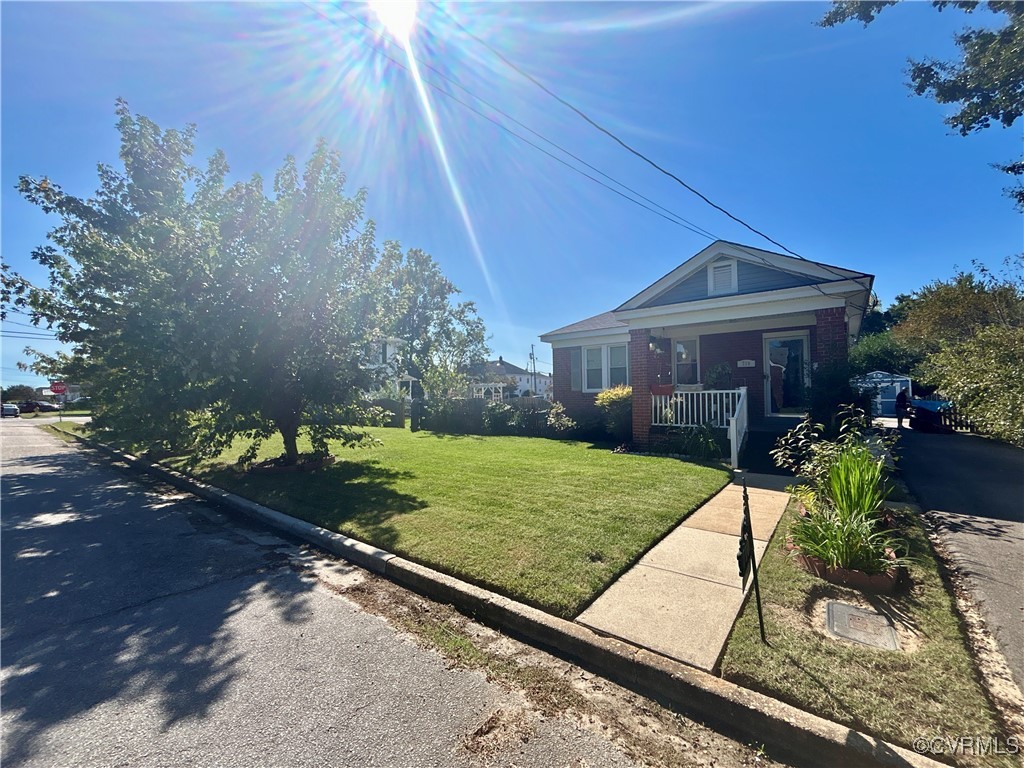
x=886 y=386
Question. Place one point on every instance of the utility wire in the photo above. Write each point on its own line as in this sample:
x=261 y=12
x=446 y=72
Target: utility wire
x=608 y=133
x=645 y=158
x=683 y=222
x=671 y=217
x=507 y=116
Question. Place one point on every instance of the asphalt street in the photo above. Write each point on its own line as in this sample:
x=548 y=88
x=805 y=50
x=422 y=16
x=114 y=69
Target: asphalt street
x=974 y=488
x=142 y=627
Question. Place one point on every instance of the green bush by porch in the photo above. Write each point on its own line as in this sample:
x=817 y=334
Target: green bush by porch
x=547 y=522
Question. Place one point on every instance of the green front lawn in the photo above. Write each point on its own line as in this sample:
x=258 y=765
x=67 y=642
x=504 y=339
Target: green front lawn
x=547 y=522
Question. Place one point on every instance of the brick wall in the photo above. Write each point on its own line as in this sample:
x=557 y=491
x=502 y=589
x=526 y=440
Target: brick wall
x=831 y=339
x=579 y=405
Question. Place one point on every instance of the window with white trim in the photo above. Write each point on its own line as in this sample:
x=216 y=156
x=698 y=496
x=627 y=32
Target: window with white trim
x=593 y=368
x=721 y=278
x=575 y=369
x=686 y=364
x=618 y=365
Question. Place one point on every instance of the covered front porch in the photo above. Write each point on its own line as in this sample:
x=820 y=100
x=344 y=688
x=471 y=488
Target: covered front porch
x=728 y=374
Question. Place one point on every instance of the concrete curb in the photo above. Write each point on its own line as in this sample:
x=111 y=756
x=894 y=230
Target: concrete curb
x=799 y=736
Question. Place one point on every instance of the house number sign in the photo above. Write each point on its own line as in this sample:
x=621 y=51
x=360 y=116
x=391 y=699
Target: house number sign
x=745 y=364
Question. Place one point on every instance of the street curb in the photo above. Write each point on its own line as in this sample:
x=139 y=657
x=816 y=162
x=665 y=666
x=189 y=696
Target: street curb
x=751 y=716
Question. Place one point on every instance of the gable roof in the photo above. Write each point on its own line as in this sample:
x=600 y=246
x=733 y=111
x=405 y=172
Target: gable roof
x=800 y=271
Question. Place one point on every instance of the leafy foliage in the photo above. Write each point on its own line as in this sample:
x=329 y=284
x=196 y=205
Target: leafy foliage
x=844 y=540
x=844 y=492
x=616 y=404
x=17 y=392
x=984 y=379
x=953 y=311
x=972 y=327
x=202 y=313
x=558 y=421
x=884 y=352
x=987 y=79
x=831 y=393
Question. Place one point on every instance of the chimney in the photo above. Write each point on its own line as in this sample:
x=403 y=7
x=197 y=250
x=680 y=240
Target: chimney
x=500 y=361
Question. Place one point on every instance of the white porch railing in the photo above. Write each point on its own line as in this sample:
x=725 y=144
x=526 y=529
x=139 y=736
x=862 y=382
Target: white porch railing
x=716 y=407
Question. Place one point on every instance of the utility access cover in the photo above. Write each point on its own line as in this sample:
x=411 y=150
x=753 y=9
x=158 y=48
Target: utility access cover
x=860 y=626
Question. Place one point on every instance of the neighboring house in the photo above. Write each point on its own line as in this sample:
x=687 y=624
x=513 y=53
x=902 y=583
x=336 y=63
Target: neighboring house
x=385 y=355
x=501 y=371
x=731 y=312
x=884 y=387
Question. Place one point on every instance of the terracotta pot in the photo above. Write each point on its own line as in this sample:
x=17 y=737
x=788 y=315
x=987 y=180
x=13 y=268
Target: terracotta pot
x=879 y=583
x=662 y=389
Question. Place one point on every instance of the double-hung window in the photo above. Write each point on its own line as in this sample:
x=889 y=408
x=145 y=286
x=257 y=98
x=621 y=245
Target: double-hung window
x=686 y=361
x=592 y=369
x=618 y=365
x=593 y=361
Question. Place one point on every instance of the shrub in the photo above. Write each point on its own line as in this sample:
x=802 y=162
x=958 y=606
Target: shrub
x=845 y=490
x=830 y=392
x=616 y=404
x=558 y=421
x=498 y=418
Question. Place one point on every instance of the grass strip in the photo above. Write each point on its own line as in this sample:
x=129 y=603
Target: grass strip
x=927 y=690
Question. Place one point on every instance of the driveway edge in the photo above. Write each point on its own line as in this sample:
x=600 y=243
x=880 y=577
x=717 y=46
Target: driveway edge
x=751 y=716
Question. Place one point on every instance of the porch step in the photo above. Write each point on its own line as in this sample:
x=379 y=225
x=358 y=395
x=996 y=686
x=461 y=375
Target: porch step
x=755 y=456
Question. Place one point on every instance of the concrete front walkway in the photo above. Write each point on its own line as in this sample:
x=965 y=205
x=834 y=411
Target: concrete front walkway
x=683 y=596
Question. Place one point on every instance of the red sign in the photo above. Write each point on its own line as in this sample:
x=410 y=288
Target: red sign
x=58 y=387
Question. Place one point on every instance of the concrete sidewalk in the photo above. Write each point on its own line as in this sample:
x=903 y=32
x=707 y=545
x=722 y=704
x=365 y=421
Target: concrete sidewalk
x=683 y=597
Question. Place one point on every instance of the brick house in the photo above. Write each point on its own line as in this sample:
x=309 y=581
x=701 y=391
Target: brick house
x=751 y=322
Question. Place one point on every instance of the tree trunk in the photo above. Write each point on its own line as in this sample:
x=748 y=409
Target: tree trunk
x=290 y=433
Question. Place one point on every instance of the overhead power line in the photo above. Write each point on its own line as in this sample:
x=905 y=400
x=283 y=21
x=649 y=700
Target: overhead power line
x=608 y=133
x=671 y=216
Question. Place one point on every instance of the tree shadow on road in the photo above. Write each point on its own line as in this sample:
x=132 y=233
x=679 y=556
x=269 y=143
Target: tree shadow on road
x=115 y=594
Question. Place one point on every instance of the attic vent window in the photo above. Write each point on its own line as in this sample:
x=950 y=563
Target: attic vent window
x=722 y=278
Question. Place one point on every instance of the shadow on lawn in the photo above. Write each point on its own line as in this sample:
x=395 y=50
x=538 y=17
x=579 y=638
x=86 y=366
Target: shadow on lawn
x=355 y=498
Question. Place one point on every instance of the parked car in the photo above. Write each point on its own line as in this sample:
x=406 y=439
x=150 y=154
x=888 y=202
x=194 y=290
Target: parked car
x=28 y=406
x=10 y=409
x=47 y=407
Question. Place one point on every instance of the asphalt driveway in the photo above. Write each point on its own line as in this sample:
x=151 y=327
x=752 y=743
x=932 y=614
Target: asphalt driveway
x=974 y=488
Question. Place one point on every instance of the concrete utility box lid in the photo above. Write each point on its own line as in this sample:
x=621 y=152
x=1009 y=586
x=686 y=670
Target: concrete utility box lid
x=860 y=626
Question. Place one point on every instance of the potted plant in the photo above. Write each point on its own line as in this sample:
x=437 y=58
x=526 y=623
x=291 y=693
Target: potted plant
x=662 y=388
x=718 y=377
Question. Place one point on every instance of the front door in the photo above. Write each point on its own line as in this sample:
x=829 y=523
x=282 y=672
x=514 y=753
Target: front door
x=786 y=373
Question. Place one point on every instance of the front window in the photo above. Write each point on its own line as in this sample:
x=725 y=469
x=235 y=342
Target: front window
x=594 y=372
x=618 y=366
x=686 y=362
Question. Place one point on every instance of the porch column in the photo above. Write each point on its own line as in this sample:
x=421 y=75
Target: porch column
x=640 y=372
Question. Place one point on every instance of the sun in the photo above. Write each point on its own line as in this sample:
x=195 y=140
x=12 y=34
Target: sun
x=397 y=16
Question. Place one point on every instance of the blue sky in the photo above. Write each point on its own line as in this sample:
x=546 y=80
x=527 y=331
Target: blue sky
x=809 y=134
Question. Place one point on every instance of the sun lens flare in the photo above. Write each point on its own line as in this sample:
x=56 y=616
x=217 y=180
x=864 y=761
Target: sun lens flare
x=397 y=16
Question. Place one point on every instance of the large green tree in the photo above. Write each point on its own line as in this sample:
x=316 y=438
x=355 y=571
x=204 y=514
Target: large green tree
x=442 y=338
x=971 y=329
x=203 y=312
x=987 y=82
x=17 y=392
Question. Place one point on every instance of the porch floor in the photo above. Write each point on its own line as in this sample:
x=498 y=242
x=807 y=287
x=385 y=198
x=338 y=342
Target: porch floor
x=683 y=597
